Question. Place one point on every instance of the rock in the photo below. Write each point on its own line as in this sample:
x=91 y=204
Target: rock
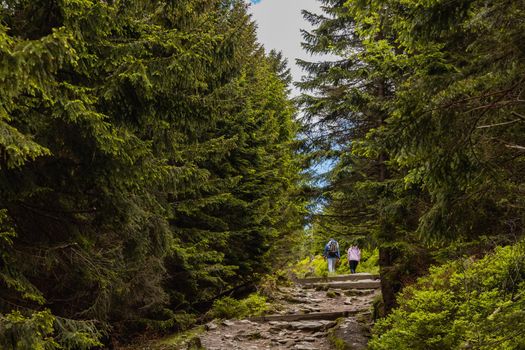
x=353 y=334
x=312 y=326
x=195 y=343
x=307 y=331
x=289 y=343
x=358 y=292
x=246 y=322
x=295 y=300
x=316 y=300
x=303 y=346
x=277 y=325
x=210 y=326
x=254 y=335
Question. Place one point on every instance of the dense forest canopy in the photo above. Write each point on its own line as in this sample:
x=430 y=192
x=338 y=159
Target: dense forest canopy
x=147 y=165
x=152 y=161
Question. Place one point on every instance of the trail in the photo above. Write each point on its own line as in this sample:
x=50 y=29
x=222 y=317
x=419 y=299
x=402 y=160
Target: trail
x=310 y=313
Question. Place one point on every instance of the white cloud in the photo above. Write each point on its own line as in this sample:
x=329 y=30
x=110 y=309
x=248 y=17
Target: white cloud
x=279 y=23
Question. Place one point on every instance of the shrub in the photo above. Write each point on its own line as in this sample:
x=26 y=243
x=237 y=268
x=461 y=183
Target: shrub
x=227 y=307
x=464 y=304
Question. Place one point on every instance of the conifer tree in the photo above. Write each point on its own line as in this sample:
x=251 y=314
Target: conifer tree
x=442 y=99
x=147 y=162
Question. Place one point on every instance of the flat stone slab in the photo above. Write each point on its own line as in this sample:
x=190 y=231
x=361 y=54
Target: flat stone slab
x=312 y=326
x=333 y=315
x=352 y=277
x=364 y=284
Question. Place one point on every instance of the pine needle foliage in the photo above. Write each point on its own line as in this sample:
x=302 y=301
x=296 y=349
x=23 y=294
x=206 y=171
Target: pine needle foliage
x=146 y=165
x=422 y=114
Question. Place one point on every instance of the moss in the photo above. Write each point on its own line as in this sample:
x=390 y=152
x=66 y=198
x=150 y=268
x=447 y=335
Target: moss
x=378 y=307
x=331 y=294
x=186 y=340
x=336 y=342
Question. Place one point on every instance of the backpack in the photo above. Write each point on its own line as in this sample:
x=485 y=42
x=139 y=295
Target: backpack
x=332 y=248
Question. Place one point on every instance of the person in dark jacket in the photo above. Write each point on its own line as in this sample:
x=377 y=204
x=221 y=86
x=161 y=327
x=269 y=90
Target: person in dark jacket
x=331 y=253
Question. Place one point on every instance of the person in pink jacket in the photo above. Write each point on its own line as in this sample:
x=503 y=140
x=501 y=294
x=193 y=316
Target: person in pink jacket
x=353 y=255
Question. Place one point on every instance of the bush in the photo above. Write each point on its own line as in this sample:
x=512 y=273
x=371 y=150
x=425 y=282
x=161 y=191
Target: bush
x=464 y=304
x=227 y=307
x=369 y=261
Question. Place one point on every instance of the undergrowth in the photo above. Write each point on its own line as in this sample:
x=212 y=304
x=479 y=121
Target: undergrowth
x=464 y=304
x=254 y=305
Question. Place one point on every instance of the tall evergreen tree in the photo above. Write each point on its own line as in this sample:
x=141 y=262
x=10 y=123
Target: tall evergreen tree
x=134 y=183
x=445 y=132
x=351 y=97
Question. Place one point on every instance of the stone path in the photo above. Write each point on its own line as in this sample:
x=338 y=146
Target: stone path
x=305 y=318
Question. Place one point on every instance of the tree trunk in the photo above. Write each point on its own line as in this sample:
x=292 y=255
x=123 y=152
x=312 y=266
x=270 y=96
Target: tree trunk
x=390 y=283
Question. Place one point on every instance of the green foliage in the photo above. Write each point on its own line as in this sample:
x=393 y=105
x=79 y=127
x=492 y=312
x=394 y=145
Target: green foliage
x=466 y=303
x=37 y=332
x=331 y=294
x=28 y=333
x=227 y=307
x=318 y=266
x=303 y=268
x=423 y=121
x=146 y=162
x=179 y=341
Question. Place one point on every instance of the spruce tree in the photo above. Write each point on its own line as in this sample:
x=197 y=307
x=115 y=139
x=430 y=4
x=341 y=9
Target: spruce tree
x=147 y=165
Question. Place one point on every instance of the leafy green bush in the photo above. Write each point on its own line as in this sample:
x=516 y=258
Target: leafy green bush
x=369 y=261
x=255 y=304
x=465 y=304
x=303 y=268
x=227 y=307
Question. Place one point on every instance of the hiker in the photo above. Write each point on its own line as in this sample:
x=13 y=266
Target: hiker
x=354 y=255
x=331 y=252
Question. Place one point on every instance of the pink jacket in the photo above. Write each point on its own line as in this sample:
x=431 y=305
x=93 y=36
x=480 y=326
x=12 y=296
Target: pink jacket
x=354 y=253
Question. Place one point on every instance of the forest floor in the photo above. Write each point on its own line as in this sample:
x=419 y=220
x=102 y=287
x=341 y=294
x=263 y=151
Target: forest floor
x=312 y=314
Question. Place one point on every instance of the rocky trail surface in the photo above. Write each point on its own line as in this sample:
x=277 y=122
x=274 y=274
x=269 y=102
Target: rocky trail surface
x=311 y=315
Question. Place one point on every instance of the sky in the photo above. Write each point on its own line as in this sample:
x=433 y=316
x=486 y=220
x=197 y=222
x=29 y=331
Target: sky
x=278 y=27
